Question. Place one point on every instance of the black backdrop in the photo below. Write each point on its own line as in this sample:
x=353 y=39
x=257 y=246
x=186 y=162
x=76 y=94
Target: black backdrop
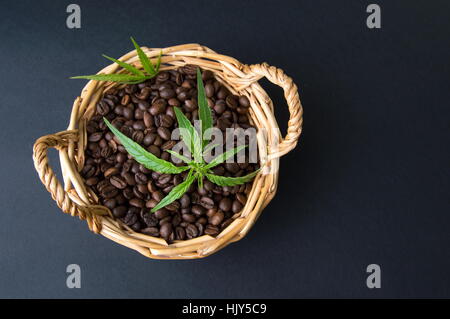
x=368 y=182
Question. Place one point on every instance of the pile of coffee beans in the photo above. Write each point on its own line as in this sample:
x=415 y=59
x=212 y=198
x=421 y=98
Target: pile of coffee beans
x=144 y=112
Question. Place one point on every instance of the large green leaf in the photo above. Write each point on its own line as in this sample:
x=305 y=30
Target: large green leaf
x=179 y=156
x=143 y=157
x=204 y=110
x=146 y=63
x=125 y=78
x=231 y=181
x=224 y=156
x=189 y=135
x=175 y=193
x=126 y=66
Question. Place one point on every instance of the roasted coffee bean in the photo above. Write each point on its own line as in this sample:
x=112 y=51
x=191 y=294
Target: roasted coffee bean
x=209 y=90
x=162 y=76
x=225 y=204
x=125 y=100
x=102 y=108
x=119 y=211
x=176 y=220
x=198 y=210
x=129 y=178
x=109 y=192
x=191 y=231
x=150 y=219
x=130 y=218
x=92 y=181
x=118 y=182
x=88 y=171
x=151 y=203
x=237 y=206
x=167 y=93
x=121 y=157
x=188 y=218
x=200 y=228
x=241 y=198
x=137 y=193
x=168 y=145
x=149 y=139
x=165 y=120
x=161 y=213
x=138 y=114
x=243 y=101
x=158 y=107
x=151 y=231
x=110 y=203
x=206 y=202
x=95 y=137
x=172 y=102
x=137 y=202
x=180 y=233
x=128 y=113
x=211 y=230
x=155 y=150
x=139 y=125
x=164 y=133
x=158 y=196
x=128 y=193
x=164 y=179
x=148 y=119
x=220 y=106
x=191 y=105
x=166 y=230
x=141 y=178
x=143 y=105
x=216 y=219
x=185 y=201
x=136 y=226
x=167 y=219
x=231 y=102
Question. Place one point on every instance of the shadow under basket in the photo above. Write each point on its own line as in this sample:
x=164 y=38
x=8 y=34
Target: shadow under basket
x=77 y=199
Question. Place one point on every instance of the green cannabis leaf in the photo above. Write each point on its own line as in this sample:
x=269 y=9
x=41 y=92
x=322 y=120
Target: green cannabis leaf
x=175 y=193
x=204 y=110
x=195 y=141
x=143 y=157
x=231 y=181
x=136 y=76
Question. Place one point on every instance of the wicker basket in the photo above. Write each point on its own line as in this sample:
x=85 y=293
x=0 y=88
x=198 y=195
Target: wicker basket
x=77 y=199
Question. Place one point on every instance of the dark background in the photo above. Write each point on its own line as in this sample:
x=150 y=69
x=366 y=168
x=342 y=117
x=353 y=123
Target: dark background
x=368 y=182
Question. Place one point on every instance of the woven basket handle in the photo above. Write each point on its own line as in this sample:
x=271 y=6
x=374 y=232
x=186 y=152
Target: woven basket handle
x=278 y=77
x=60 y=141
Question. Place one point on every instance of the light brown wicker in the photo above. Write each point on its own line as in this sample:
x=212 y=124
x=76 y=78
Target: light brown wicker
x=77 y=199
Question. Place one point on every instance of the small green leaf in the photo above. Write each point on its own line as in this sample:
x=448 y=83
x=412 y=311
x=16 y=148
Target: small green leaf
x=126 y=66
x=204 y=110
x=224 y=156
x=179 y=156
x=124 y=78
x=231 y=181
x=146 y=63
x=158 y=62
x=175 y=193
x=189 y=135
x=143 y=157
